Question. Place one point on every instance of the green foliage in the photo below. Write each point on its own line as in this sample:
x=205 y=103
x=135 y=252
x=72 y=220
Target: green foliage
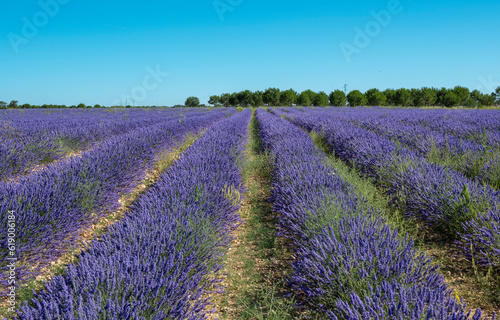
x=451 y=99
x=288 y=97
x=258 y=98
x=338 y=98
x=303 y=99
x=462 y=93
x=375 y=98
x=214 y=100
x=14 y=104
x=470 y=102
x=321 y=99
x=391 y=97
x=403 y=97
x=311 y=94
x=245 y=98
x=224 y=99
x=192 y=102
x=356 y=98
x=429 y=96
x=272 y=96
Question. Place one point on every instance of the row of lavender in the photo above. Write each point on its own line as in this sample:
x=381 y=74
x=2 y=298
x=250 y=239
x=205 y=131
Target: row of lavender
x=52 y=205
x=480 y=126
x=349 y=263
x=30 y=137
x=476 y=159
x=464 y=209
x=154 y=263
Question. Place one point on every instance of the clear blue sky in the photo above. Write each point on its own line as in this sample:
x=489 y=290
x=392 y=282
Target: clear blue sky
x=100 y=51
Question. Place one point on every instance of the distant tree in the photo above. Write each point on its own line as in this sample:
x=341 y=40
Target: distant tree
x=192 y=102
x=497 y=95
x=272 y=96
x=224 y=99
x=440 y=94
x=26 y=106
x=288 y=97
x=81 y=105
x=375 y=98
x=214 y=100
x=311 y=94
x=488 y=100
x=234 y=99
x=356 y=98
x=462 y=93
x=321 y=99
x=429 y=96
x=403 y=97
x=470 y=102
x=245 y=98
x=303 y=99
x=3 y=105
x=417 y=98
x=14 y=104
x=451 y=99
x=391 y=97
x=338 y=98
x=257 y=98
x=483 y=99
x=97 y=106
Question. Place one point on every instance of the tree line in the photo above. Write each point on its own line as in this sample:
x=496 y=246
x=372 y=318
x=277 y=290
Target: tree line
x=14 y=104
x=444 y=97
x=423 y=97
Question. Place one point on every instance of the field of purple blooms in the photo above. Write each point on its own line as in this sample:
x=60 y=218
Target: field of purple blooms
x=441 y=168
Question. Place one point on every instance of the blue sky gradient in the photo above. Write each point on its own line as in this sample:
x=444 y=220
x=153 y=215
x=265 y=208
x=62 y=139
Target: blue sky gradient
x=101 y=52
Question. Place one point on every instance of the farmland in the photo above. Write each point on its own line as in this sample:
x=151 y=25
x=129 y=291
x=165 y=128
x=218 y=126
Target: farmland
x=256 y=213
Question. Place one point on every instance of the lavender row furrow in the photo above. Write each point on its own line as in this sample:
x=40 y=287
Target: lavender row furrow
x=462 y=208
x=349 y=263
x=37 y=138
x=154 y=263
x=51 y=206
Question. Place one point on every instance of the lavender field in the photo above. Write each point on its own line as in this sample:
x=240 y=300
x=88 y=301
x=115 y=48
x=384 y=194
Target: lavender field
x=256 y=213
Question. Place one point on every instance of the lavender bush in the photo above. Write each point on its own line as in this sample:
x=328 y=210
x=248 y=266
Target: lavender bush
x=153 y=264
x=349 y=263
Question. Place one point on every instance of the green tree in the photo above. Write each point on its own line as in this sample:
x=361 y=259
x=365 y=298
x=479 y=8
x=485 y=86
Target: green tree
x=192 y=102
x=321 y=99
x=272 y=96
x=356 y=98
x=234 y=100
x=14 y=104
x=391 y=97
x=257 y=98
x=288 y=97
x=214 y=100
x=417 y=97
x=3 y=105
x=497 y=95
x=470 y=102
x=451 y=99
x=304 y=100
x=338 y=98
x=245 y=98
x=97 y=106
x=403 y=97
x=429 y=96
x=224 y=100
x=81 y=105
x=462 y=93
x=375 y=98
x=311 y=94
